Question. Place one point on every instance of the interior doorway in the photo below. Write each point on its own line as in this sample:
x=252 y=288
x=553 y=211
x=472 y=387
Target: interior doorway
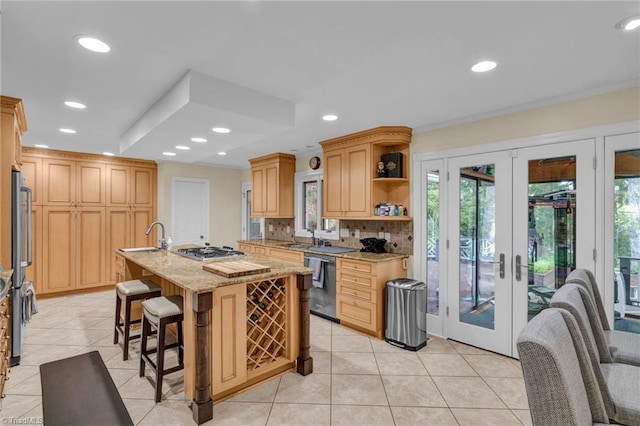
x=190 y=211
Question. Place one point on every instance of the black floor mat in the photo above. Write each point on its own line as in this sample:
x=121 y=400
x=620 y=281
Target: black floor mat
x=79 y=391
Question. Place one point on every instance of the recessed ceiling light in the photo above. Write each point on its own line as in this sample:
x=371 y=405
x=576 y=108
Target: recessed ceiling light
x=221 y=130
x=39 y=145
x=630 y=23
x=169 y=154
x=182 y=147
x=329 y=117
x=93 y=44
x=110 y=154
x=199 y=140
x=222 y=153
x=71 y=131
x=76 y=105
x=483 y=66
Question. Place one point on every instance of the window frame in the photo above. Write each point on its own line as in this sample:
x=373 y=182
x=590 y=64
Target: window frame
x=300 y=231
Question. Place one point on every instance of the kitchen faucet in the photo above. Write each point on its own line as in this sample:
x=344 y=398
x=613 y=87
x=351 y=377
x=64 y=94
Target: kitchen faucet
x=163 y=241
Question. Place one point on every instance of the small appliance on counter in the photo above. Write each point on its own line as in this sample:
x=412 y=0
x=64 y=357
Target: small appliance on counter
x=373 y=245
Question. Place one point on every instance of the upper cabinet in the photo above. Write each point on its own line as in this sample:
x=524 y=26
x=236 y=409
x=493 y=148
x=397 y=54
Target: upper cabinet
x=352 y=183
x=272 y=180
x=14 y=124
x=73 y=183
x=131 y=187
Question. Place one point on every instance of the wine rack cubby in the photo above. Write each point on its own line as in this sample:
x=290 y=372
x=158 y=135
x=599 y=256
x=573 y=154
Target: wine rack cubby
x=266 y=323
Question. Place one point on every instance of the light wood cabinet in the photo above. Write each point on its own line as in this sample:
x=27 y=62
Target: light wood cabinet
x=285 y=255
x=85 y=207
x=32 y=173
x=360 y=301
x=272 y=179
x=351 y=184
x=131 y=187
x=12 y=125
x=229 y=341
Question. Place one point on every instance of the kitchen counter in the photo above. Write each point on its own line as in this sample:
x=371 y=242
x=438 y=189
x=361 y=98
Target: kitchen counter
x=356 y=255
x=5 y=283
x=238 y=332
x=188 y=273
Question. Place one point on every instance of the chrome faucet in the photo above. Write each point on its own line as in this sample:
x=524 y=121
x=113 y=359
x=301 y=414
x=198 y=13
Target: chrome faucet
x=163 y=241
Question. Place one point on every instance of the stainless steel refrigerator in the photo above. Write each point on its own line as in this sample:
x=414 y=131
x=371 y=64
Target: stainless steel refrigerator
x=22 y=295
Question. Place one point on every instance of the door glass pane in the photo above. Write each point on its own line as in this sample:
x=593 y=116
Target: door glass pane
x=627 y=241
x=433 y=238
x=477 y=241
x=552 y=228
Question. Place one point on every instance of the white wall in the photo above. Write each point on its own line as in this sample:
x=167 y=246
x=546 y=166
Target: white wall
x=225 y=199
x=613 y=107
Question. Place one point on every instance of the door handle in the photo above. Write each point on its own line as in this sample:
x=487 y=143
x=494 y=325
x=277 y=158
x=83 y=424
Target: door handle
x=519 y=267
x=501 y=263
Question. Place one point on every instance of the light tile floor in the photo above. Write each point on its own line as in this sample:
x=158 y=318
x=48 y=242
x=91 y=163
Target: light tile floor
x=357 y=380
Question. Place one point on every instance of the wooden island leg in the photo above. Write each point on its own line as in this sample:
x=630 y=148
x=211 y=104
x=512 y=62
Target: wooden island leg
x=304 y=361
x=202 y=404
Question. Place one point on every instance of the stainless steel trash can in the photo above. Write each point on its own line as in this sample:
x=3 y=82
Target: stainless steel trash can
x=406 y=318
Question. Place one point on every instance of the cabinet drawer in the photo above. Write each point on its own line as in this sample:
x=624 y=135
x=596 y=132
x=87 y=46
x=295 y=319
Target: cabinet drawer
x=356 y=266
x=292 y=256
x=356 y=292
x=259 y=251
x=356 y=312
x=246 y=248
x=362 y=280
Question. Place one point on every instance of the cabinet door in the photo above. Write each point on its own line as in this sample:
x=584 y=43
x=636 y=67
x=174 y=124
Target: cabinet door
x=90 y=247
x=90 y=184
x=140 y=221
x=118 y=185
x=358 y=181
x=271 y=190
x=332 y=191
x=59 y=182
x=58 y=254
x=257 y=191
x=32 y=172
x=143 y=187
x=229 y=337
x=118 y=236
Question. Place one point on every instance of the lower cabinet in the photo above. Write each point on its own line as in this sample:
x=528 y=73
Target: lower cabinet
x=73 y=254
x=360 y=298
x=229 y=341
x=125 y=228
x=5 y=339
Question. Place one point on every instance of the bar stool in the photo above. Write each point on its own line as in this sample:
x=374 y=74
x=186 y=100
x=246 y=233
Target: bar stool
x=129 y=291
x=158 y=313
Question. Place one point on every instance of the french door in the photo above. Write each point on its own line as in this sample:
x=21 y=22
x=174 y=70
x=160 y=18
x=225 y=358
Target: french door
x=519 y=221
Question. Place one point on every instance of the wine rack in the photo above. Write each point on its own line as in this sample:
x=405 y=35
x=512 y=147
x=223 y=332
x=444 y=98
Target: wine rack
x=266 y=323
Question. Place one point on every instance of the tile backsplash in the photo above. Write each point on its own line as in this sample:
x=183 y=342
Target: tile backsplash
x=401 y=233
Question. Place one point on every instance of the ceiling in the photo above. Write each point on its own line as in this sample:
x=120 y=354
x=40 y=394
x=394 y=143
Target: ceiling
x=270 y=70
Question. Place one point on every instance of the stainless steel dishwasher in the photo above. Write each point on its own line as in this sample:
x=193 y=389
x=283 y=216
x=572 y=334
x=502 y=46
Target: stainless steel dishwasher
x=323 y=300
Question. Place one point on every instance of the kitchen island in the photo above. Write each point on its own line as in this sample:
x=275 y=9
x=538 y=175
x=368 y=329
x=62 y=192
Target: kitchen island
x=237 y=331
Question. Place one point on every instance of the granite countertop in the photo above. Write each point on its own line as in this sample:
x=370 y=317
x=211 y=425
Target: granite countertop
x=4 y=284
x=188 y=273
x=356 y=255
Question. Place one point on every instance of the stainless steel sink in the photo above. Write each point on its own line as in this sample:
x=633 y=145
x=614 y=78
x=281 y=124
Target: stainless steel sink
x=299 y=246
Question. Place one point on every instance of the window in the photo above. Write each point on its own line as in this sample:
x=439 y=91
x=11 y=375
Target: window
x=309 y=208
x=252 y=227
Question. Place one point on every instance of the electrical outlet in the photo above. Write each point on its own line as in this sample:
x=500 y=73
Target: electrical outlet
x=380 y=234
x=344 y=232
x=356 y=233
x=270 y=228
x=387 y=236
x=288 y=229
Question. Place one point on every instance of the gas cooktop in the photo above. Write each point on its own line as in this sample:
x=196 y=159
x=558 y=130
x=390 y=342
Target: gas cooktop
x=208 y=252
